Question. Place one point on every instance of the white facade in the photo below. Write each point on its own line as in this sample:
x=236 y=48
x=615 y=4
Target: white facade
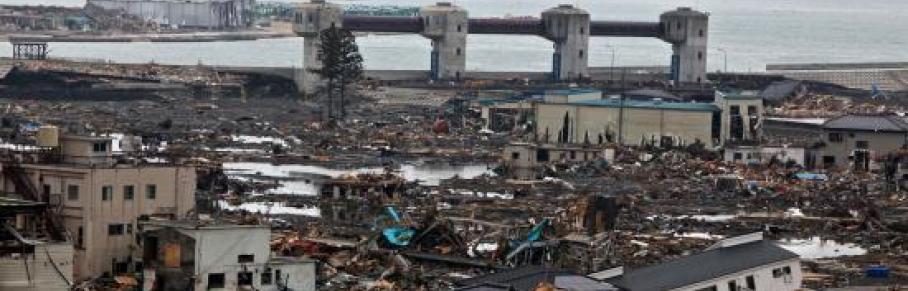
x=222 y=254
x=764 y=154
x=769 y=277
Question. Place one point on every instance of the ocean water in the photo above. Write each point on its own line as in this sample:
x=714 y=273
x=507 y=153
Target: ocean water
x=753 y=32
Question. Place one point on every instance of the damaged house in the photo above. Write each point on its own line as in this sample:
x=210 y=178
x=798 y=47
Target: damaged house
x=731 y=117
x=746 y=262
x=183 y=255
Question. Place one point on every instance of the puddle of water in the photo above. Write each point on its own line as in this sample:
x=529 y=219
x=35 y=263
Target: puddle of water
x=428 y=175
x=239 y=150
x=817 y=248
x=252 y=139
x=271 y=208
x=700 y=235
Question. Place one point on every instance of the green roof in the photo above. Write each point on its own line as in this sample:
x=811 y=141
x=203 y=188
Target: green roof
x=649 y=105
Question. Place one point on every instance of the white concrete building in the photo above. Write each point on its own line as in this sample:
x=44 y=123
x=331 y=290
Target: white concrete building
x=184 y=255
x=740 y=263
x=765 y=154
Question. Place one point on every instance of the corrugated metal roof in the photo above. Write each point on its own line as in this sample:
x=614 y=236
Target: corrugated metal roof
x=703 y=266
x=889 y=123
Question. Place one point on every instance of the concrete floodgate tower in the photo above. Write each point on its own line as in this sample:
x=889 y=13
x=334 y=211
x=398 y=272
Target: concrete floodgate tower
x=309 y=21
x=687 y=31
x=568 y=28
x=446 y=26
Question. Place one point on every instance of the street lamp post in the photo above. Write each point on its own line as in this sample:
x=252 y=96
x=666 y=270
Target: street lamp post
x=611 y=69
x=725 y=61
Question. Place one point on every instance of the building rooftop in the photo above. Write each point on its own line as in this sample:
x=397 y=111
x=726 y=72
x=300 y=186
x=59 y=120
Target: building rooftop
x=741 y=95
x=888 y=123
x=649 y=104
x=572 y=91
x=709 y=264
x=526 y=278
x=192 y=224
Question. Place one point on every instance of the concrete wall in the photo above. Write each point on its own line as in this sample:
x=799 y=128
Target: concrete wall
x=636 y=124
x=217 y=250
x=763 y=277
x=36 y=271
x=81 y=150
x=205 y=14
x=748 y=120
x=175 y=196
x=762 y=155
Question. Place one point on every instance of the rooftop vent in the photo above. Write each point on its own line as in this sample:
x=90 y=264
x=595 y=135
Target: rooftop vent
x=444 y=4
x=565 y=6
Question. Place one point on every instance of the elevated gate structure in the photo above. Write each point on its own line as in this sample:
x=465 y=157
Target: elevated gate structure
x=568 y=27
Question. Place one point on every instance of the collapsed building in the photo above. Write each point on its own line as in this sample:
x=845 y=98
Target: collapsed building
x=195 y=255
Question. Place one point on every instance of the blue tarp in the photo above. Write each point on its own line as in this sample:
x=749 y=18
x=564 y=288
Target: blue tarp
x=536 y=232
x=398 y=236
x=811 y=176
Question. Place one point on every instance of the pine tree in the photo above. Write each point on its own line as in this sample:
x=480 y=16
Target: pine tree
x=341 y=65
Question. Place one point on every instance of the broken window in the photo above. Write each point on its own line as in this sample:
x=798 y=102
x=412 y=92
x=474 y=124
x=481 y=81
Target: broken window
x=836 y=137
x=244 y=278
x=737 y=156
x=115 y=229
x=129 y=191
x=828 y=160
x=542 y=155
x=751 y=283
x=732 y=285
x=573 y=155
x=151 y=191
x=243 y=259
x=72 y=192
x=777 y=273
x=267 y=278
x=737 y=122
x=861 y=144
x=99 y=147
x=106 y=193
x=710 y=288
x=215 y=280
x=80 y=237
x=515 y=156
x=564 y=135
